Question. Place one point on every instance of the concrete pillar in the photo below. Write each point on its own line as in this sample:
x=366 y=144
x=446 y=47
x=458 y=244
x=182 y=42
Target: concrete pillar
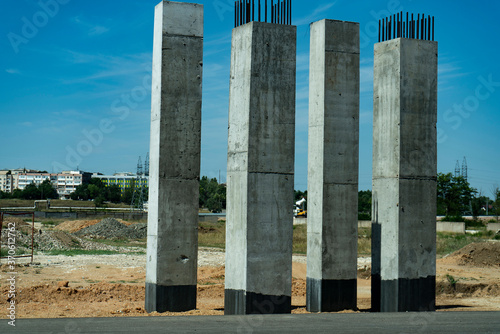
x=172 y=245
x=404 y=176
x=332 y=206
x=260 y=169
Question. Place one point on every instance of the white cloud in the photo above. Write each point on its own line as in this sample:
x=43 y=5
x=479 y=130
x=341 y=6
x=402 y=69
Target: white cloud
x=12 y=71
x=315 y=15
x=98 y=30
x=92 y=29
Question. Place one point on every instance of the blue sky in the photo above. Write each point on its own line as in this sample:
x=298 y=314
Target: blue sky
x=75 y=83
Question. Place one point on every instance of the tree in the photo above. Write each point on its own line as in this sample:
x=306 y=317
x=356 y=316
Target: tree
x=479 y=204
x=17 y=193
x=31 y=191
x=365 y=202
x=47 y=191
x=94 y=191
x=81 y=193
x=454 y=195
x=99 y=201
x=127 y=195
x=298 y=195
x=214 y=203
x=496 y=203
x=91 y=190
x=212 y=194
x=114 y=193
x=4 y=195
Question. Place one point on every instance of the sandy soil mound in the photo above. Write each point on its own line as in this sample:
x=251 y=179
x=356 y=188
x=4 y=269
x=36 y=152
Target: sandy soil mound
x=72 y=226
x=483 y=254
x=100 y=292
x=110 y=228
x=467 y=289
x=12 y=219
x=20 y=225
x=50 y=240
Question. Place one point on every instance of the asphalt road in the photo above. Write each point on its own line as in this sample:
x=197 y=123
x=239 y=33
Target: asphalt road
x=372 y=323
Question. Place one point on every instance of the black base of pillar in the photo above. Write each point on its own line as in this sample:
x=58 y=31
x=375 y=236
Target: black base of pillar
x=162 y=298
x=239 y=302
x=404 y=295
x=331 y=295
x=375 y=298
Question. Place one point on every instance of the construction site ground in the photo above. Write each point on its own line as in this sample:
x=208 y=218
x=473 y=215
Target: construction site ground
x=55 y=286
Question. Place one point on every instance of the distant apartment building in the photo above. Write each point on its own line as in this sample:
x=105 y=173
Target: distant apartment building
x=65 y=182
x=6 y=181
x=124 y=180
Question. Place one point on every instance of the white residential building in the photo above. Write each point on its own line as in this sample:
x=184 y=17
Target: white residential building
x=6 y=181
x=65 y=182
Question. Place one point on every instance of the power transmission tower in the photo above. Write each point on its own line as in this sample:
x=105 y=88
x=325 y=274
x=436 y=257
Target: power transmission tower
x=465 y=176
x=146 y=165
x=457 y=169
x=138 y=195
x=464 y=169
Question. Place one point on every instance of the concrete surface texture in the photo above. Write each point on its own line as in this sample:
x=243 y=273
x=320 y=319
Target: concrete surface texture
x=451 y=227
x=260 y=169
x=172 y=241
x=404 y=176
x=493 y=227
x=333 y=166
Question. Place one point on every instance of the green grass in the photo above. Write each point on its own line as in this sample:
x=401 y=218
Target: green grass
x=364 y=241
x=447 y=243
x=451 y=280
x=121 y=242
x=212 y=235
x=49 y=223
x=300 y=239
x=19 y=251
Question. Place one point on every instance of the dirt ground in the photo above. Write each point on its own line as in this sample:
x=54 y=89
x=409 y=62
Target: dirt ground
x=94 y=286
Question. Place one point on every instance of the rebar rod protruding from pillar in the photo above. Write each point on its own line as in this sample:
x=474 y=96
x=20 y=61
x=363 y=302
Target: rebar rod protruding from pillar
x=281 y=12
x=259 y=10
x=395 y=26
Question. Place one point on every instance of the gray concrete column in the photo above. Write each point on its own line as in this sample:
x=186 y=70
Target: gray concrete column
x=404 y=176
x=260 y=169
x=332 y=196
x=172 y=245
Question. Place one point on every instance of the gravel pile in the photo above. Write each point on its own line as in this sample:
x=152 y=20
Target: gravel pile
x=52 y=240
x=110 y=228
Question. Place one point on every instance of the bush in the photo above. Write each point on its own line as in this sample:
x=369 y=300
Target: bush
x=473 y=223
x=453 y=219
x=364 y=216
